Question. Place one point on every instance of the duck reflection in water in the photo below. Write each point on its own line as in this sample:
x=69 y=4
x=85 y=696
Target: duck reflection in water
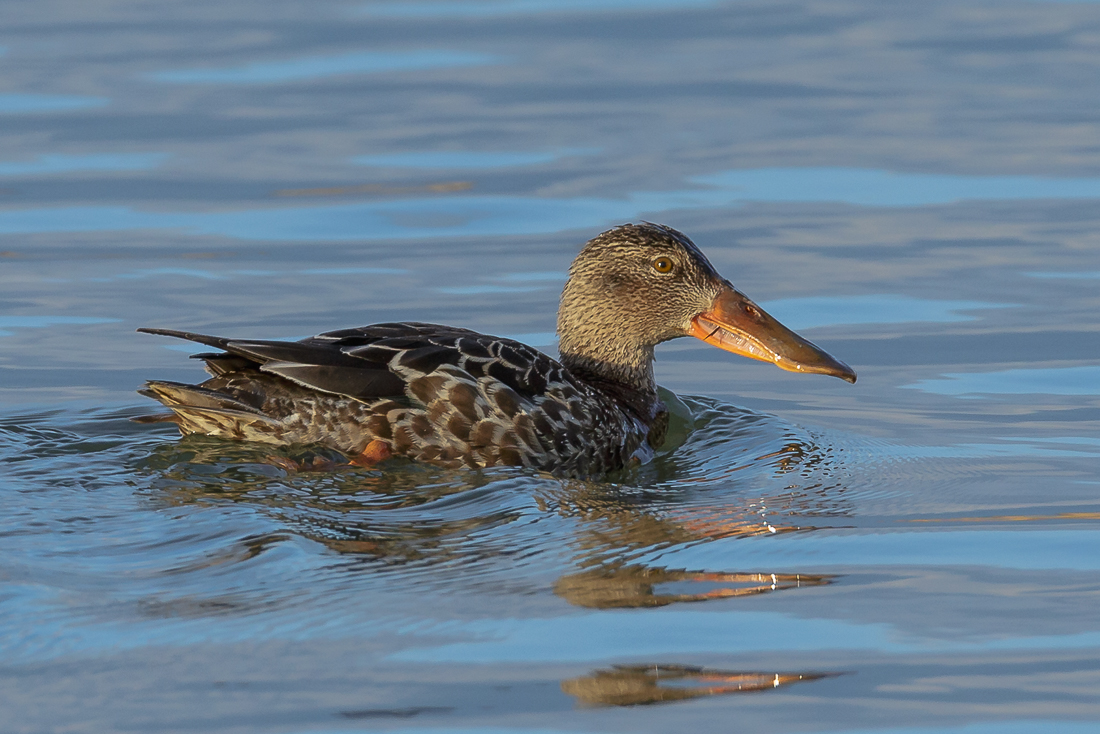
x=635 y=685
x=632 y=586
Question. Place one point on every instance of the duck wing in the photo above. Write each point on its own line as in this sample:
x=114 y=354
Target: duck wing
x=379 y=361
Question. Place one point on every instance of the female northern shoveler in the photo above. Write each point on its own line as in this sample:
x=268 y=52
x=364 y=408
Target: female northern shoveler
x=454 y=398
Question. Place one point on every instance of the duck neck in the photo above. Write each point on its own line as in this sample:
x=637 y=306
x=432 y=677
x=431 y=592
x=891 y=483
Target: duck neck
x=599 y=345
x=628 y=381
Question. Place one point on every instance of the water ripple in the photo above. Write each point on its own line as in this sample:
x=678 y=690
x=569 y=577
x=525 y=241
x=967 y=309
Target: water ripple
x=137 y=524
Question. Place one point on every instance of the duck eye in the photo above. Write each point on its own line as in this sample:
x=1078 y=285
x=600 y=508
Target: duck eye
x=662 y=265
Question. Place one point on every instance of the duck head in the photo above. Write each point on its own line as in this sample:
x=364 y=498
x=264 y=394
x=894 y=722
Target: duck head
x=638 y=285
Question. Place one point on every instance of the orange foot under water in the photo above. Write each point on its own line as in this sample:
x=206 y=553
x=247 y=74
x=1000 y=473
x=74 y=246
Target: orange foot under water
x=374 y=452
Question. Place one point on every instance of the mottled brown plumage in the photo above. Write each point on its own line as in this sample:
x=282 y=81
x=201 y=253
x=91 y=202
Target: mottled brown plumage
x=453 y=397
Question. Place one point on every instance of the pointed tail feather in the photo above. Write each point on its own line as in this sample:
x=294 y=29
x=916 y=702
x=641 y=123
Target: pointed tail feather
x=197 y=409
x=182 y=395
x=217 y=342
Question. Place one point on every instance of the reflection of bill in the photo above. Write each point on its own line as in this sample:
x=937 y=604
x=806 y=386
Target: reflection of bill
x=718 y=523
x=640 y=586
x=634 y=685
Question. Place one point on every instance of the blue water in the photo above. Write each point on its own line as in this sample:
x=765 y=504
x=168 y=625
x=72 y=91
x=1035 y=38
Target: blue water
x=16 y=103
x=38 y=322
x=465 y=159
x=404 y=218
x=892 y=188
x=51 y=164
x=314 y=67
x=1068 y=276
x=1045 y=381
x=810 y=313
x=435 y=10
x=911 y=186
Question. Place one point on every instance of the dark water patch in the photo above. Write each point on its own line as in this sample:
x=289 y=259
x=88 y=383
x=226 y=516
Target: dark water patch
x=406 y=713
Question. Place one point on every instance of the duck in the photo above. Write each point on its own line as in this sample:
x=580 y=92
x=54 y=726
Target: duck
x=454 y=398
